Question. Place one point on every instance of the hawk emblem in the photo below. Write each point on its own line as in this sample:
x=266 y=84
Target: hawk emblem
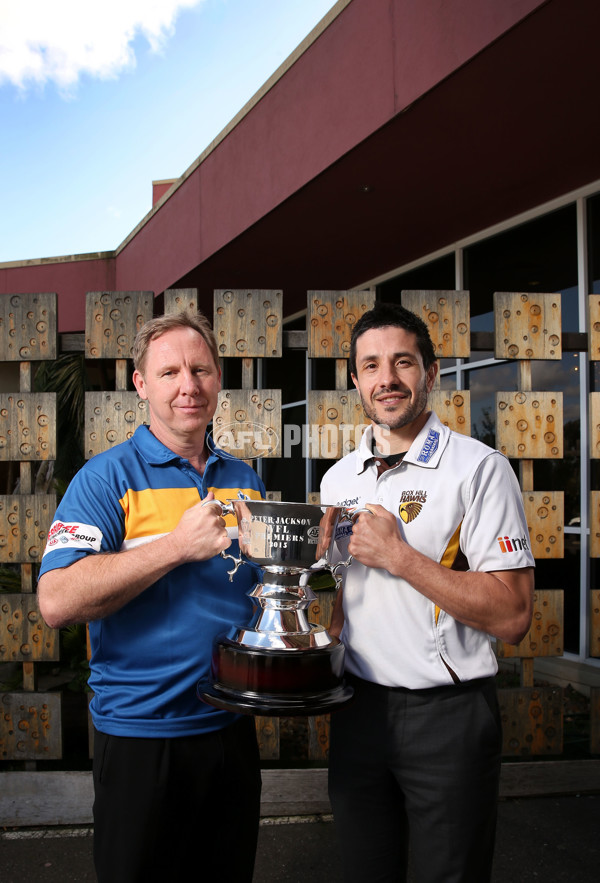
x=409 y=511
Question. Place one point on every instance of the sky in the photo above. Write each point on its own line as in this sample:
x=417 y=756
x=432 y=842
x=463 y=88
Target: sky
x=99 y=99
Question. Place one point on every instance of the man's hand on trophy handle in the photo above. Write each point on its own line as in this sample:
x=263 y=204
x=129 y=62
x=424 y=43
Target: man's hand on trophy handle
x=225 y=509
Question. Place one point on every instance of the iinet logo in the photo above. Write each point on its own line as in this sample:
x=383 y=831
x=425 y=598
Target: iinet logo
x=513 y=544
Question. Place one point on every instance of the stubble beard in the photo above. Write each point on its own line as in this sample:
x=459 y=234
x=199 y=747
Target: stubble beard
x=415 y=408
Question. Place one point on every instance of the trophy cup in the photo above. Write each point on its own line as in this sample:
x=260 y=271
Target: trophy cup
x=280 y=663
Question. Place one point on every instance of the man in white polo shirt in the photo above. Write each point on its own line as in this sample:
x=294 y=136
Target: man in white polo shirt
x=441 y=562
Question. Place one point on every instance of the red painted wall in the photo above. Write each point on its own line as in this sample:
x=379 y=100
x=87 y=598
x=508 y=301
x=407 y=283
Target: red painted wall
x=373 y=60
x=69 y=278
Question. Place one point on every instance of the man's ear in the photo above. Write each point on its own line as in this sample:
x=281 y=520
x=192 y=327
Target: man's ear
x=432 y=372
x=354 y=380
x=138 y=382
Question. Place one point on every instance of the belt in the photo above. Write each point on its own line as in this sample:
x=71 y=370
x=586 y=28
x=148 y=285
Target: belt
x=370 y=686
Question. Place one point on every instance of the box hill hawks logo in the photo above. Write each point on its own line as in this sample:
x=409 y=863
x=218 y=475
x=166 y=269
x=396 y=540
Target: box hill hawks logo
x=411 y=503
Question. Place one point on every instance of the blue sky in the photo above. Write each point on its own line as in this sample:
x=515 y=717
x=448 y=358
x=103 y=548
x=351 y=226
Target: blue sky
x=95 y=107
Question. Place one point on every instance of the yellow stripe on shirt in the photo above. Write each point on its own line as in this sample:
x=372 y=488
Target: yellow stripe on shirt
x=449 y=557
x=154 y=512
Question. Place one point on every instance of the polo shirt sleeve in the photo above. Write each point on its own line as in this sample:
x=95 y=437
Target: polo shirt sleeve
x=494 y=533
x=89 y=519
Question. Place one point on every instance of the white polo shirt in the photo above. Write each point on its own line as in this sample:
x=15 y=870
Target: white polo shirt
x=454 y=499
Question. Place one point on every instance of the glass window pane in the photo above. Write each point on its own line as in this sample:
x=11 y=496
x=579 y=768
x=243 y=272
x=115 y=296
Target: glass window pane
x=287 y=473
x=484 y=383
x=594 y=243
x=540 y=255
x=436 y=275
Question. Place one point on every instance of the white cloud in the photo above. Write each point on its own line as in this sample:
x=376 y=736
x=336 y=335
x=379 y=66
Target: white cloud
x=59 y=40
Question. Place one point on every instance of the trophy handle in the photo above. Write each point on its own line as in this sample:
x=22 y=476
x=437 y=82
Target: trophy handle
x=346 y=515
x=237 y=563
x=227 y=509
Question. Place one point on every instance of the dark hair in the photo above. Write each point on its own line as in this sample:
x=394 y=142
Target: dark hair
x=384 y=315
x=161 y=324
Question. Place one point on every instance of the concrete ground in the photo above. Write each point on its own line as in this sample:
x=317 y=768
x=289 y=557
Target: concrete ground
x=539 y=839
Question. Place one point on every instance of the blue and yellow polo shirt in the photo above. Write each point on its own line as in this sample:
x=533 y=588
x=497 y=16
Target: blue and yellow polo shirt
x=148 y=656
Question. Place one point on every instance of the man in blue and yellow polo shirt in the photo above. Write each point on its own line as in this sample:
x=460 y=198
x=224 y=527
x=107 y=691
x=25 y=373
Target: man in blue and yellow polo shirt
x=133 y=552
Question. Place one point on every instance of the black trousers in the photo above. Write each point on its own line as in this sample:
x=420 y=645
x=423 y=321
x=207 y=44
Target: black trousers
x=177 y=809
x=416 y=768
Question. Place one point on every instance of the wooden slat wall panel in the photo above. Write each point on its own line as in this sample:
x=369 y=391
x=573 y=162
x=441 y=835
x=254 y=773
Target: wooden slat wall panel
x=527 y=326
x=594 y=425
x=594 y=326
x=112 y=319
x=247 y=422
x=532 y=721
x=595 y=623
x=530 y=424
x=545 y=513
x=179 y=299
x=24 y=636
x=24 y=524
x=331 y=316
x=248 y=323
x=336 y=422
x=31 y=726
x=447 y=315
x=111 y=418
x=27 y=426
x=453 y=408
x=28 y=327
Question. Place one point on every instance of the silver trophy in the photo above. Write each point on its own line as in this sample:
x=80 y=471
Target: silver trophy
x=280 y=663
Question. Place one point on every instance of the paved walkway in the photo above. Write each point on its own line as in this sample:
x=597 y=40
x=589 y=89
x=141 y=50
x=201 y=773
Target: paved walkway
x=553 y=839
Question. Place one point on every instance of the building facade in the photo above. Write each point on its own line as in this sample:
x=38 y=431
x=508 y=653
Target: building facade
x=405 y=145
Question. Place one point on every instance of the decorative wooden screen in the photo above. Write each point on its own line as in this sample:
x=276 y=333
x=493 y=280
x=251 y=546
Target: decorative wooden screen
x=530 y=426
x=248 y=326
x=30 y=721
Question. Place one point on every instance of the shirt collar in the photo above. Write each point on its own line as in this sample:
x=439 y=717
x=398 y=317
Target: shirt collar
x=156 y=453
x=425 y=450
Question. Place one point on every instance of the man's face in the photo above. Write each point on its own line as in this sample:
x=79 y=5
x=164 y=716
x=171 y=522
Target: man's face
x=181 y=384
x=391 y=378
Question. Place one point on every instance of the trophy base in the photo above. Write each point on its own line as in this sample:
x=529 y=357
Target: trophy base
x=274 y=706
x=276 y=682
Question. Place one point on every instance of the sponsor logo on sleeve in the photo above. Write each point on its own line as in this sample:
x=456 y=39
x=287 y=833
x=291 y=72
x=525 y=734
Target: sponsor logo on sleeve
x=513 y=544
x=73 y=535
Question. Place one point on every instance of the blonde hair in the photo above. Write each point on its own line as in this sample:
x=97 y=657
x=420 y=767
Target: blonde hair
x=161 y=324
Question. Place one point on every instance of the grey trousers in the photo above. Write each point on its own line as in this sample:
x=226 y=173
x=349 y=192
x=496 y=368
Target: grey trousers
x=418 y=771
